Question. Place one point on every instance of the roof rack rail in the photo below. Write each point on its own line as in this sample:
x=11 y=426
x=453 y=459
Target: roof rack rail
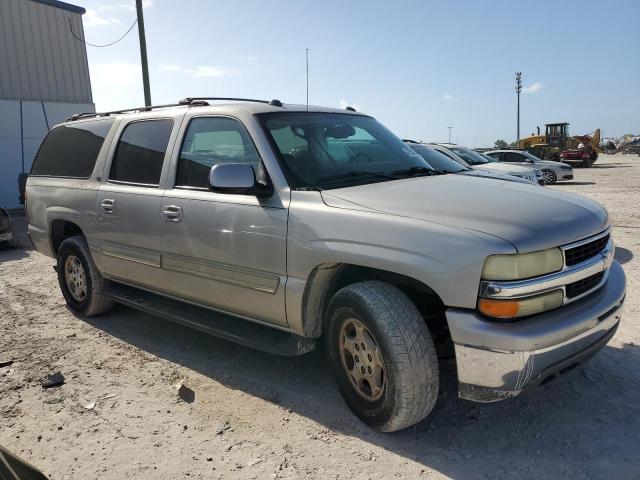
x=185 y=102
x=194 y=100
x=78 y=116
x=408 y=140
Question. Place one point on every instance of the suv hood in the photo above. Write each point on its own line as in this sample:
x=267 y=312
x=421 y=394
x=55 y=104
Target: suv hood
x=529 y=217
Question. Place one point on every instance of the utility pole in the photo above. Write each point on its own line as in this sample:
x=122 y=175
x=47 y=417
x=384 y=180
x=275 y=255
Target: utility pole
x=143 y=55
x=449 y=133
x=518 y=90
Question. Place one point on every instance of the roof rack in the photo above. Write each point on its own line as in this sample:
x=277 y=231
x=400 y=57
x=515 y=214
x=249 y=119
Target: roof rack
x=185 y=102
x=193 y=100
x=408 y=140
x=78 y=116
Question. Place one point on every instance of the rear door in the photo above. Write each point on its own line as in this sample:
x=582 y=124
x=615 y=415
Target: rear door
x=128 y=202
x=225 y=251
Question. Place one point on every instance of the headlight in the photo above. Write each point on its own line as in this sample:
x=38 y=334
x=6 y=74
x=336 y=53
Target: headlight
x=521 y=266
x=522 y=307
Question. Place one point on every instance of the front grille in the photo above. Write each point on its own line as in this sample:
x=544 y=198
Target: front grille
x=576 y=289
x=579 y=254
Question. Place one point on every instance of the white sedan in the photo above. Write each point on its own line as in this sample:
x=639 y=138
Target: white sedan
x=552 y=171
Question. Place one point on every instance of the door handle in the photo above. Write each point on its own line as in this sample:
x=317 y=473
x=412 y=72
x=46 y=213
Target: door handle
x=172 y=213
x=108 y=205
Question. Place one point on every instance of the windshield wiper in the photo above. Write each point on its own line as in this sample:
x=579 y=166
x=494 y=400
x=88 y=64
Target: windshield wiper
x=356 y=173
x=416 y=171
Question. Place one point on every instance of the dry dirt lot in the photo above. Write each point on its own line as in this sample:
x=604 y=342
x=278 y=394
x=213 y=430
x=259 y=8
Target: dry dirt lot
x=261 y=416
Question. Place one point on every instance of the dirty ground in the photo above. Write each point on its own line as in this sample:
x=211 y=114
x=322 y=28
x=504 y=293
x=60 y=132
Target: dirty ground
x=144 y=398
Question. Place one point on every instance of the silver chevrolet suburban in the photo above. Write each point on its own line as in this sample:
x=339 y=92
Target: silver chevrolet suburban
x=276 y=226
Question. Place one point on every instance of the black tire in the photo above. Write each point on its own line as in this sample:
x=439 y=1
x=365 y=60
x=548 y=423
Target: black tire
x=550 y=177
x=402 y=336
x=94 y=301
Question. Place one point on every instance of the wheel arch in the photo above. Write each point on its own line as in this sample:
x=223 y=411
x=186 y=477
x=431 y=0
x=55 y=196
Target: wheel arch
x=326 y=279
x=60 y=230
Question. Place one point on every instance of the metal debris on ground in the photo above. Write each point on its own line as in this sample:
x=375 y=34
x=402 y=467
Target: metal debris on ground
x=52 y=380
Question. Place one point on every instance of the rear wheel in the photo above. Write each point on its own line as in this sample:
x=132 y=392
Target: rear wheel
x=81 y=284
x=549 y=177
x=382 y=355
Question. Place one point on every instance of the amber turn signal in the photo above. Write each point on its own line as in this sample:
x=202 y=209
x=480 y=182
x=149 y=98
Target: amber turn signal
x=498 y=308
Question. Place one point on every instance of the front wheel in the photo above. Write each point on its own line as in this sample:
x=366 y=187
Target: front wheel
x=382 y=355
x=549 y=177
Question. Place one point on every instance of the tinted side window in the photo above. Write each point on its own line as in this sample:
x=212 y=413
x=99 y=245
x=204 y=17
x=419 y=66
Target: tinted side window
x=140 y=152
x=71 y=150
x=515 y=157
x=212 y=140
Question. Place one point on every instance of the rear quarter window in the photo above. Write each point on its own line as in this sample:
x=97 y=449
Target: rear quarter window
x=71 y=150
x=140 y=152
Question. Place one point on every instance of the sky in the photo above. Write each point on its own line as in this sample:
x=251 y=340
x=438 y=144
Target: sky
x=417 y=66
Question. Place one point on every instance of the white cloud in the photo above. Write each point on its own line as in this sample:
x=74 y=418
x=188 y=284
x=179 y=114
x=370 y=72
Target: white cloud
x=344 y=104
x=208 y=72
x=204 y=71
x=249 y=58
x=533 y=88
x=114 y=74
x=112 y=14
x=447 y=96
x=93 y=19
x=170 y=67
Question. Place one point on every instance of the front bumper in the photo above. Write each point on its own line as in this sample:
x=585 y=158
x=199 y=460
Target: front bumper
x=499 y=360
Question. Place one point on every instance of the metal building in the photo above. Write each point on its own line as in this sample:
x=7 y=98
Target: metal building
x=44 y=78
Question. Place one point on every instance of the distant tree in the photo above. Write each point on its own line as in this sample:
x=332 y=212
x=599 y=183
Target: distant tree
x=501 y=144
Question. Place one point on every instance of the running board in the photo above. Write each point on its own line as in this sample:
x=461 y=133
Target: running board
x=227 y=327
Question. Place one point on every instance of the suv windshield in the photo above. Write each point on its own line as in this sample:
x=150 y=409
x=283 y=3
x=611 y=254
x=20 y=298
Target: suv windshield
x=437 y=160
x=334 y=150
x=471 y=157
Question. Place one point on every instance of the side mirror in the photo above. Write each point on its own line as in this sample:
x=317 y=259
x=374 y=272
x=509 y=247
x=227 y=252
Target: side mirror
x=235 y=178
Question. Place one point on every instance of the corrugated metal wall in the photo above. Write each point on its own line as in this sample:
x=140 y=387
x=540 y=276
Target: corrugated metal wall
x=39 y=57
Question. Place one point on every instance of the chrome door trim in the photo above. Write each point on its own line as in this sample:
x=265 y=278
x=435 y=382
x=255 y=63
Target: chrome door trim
x=133 y=254
x=222 y=272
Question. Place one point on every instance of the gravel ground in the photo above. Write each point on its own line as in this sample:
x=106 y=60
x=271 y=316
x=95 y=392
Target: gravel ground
x=255 y=415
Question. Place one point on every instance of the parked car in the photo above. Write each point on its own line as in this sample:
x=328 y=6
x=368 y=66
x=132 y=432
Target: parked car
x=442 y=163
x=478 y=162
x=7 y=237
x=279 y=226
x=552 y=171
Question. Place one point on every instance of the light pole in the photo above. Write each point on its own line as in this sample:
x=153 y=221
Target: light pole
x=449 y=133
x=143 y=55
x=518 y=90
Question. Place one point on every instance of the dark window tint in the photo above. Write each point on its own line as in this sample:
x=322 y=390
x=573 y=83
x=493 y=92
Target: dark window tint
x=515 y=157
x=71 y=150
x=140 y=152
x=212 y=140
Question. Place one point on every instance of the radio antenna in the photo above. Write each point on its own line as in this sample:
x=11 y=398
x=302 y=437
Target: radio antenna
x=307 y=59
x=307 y=132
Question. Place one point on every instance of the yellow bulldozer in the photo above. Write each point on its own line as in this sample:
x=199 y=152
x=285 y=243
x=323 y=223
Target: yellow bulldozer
x=556 y=144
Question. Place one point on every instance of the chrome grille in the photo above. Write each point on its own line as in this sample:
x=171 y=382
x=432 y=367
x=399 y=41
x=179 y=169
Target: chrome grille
x=576 y=289
x=585 y=251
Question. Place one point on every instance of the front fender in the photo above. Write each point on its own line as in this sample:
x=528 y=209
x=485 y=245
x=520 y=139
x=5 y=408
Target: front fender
x=447 y=259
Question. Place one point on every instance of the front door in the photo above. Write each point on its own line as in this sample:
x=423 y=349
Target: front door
x=127 y=236
x=225 y=251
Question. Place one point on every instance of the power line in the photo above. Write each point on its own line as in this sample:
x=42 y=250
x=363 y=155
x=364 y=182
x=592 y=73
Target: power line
x=101 y=46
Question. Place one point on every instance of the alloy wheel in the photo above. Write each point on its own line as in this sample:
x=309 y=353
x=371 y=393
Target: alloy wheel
x=362 y=360
x=75 y=278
